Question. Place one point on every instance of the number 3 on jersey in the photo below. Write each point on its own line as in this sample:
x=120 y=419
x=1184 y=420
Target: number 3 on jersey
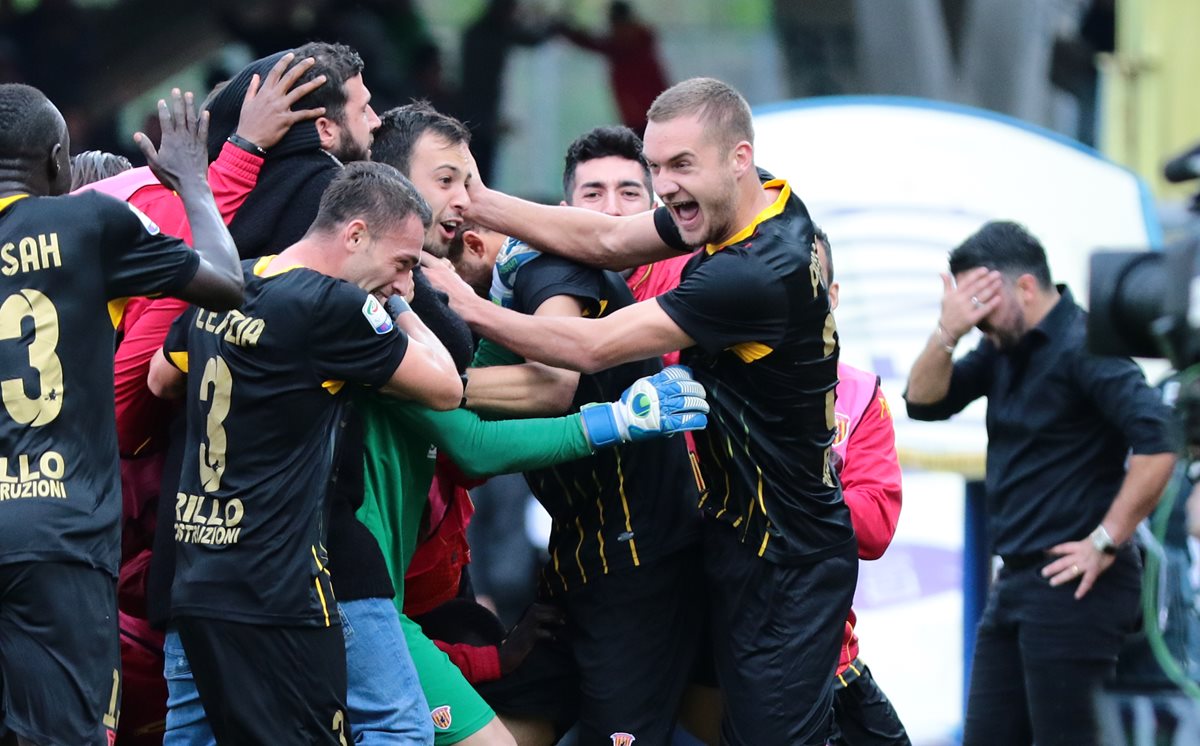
x=42 y=408
x=216 y=385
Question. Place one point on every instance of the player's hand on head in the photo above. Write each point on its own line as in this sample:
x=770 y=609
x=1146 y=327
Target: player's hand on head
x=665 y=403
x=267 y=114
x=475 y=183
x=182 y=157
x=440 y=273
x=965 y=304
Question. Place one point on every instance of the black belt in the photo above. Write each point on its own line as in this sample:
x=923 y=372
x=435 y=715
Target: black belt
x=1017 y=562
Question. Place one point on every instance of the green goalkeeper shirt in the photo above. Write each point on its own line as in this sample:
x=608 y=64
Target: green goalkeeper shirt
x=400 y=444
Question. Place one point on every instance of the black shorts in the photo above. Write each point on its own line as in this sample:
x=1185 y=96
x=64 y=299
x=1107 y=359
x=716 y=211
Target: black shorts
x=777 y=633
x=60 y=653
x=624 y=659
x=262 y=684
x=634 y=635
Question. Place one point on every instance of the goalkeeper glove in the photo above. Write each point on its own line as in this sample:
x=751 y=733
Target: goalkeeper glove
x=662 y=404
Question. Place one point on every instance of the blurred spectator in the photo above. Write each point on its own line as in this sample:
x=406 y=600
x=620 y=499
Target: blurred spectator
x=10 y=65
x=55 y=44
x=485 y=47
x=267 y=27
x=94 y=165
x=427 y=80
x=634 y=70
x=1073 y=65
x=386 y=35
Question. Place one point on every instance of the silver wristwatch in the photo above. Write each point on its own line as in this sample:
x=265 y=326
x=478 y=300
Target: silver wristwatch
x=1102 y=541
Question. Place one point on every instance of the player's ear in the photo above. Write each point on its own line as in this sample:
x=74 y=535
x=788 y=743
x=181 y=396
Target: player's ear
x=473 y=242
x=1027 y=286
x=328 y=130
x=58 y=170
x=743 y=158
x=354 y=235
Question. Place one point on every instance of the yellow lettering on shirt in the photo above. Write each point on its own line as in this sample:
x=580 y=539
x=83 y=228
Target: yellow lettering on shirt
x=29 y=476
x=233 y=326
x=30 y=254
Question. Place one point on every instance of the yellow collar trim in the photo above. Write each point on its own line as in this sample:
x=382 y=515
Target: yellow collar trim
x=260 y=267
x=771 y=211
x=6 y=201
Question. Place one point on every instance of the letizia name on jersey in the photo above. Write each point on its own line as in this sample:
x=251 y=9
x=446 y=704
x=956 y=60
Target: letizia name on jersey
x=236 y=327
x=25 y=476
x=208 y=520
x=30 y=254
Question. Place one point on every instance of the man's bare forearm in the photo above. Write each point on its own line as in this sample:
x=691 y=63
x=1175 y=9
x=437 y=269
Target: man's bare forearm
x=212 y=242
x=1140 y=491
x=410 y=323
x=558 y=341
x=530 y=389
x=929 y=379
x=583 y=235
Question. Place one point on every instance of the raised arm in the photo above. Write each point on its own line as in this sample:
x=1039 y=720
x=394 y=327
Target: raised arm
x=667 y=402
x=587 y=345
x=266 y=116
x=527 y=388
x=583 y=235
x=181 y=165
x=929 y=379
x=486 y=447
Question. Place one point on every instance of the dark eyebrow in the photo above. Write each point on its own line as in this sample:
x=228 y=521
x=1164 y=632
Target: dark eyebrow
x=623 y=183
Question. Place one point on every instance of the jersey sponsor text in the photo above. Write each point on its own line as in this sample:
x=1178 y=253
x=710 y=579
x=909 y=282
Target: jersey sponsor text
x=208 y=520
x=26 y=476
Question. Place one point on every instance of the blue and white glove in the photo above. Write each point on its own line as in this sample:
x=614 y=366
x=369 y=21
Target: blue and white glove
x=662 y=404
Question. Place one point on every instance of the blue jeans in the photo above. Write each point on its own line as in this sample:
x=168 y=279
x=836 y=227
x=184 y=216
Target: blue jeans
x=383 y=694
x=186 y=723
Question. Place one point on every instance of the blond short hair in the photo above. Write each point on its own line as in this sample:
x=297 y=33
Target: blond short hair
x=717 y=104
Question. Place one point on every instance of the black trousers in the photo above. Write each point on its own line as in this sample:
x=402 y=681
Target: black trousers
x=1041 y=655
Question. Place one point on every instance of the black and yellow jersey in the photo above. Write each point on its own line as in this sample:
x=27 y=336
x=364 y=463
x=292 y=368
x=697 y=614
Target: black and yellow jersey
x=620 y=507
x=766 y=351
x=66 y=266
x=264 y=395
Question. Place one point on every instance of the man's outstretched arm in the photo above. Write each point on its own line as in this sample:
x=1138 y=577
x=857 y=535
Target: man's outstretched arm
x=583 y=235
x=635 y=332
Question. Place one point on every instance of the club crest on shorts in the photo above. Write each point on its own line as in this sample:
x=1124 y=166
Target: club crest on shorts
x=441 y=716
x=622 y=739
x=377 y=315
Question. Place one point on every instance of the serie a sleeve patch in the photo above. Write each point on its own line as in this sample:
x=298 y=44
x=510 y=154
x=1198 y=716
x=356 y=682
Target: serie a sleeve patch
x=377 y=315
x=150 y=226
